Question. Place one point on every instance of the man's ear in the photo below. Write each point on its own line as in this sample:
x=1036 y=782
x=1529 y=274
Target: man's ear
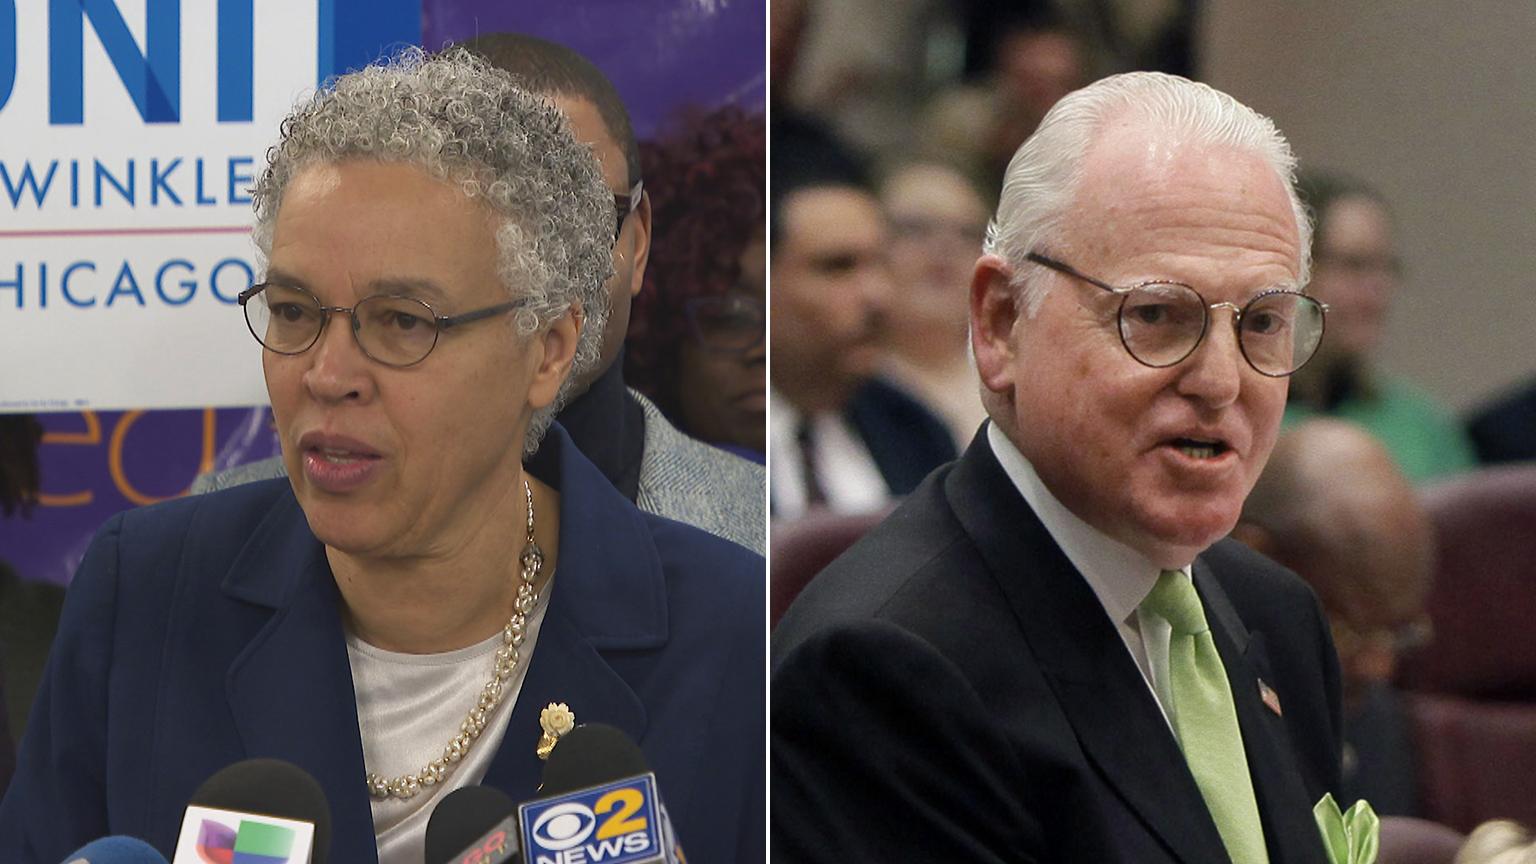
x=640 y=228
x=994 y=311
x=555 y=351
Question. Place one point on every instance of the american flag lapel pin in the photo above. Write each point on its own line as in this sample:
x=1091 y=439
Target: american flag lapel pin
x=1270 y=698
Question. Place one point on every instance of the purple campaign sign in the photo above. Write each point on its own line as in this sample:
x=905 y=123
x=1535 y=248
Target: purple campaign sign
x=660 y=54
x=95 y=464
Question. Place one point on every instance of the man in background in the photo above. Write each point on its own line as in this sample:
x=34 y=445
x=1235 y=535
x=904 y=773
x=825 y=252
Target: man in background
x=1335 y=508
x=659 y=468
x=841 y=438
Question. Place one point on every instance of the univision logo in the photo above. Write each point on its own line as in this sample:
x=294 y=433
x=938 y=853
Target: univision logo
x=250 y=843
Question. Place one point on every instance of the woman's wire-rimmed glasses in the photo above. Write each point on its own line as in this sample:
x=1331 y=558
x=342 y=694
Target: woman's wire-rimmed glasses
x=1162 y=323
x=392 y=329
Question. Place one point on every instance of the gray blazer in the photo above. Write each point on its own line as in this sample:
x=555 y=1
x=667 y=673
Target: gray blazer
x=680 y=478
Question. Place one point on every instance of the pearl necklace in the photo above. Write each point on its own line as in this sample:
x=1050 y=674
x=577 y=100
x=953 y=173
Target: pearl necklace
x=507 y=657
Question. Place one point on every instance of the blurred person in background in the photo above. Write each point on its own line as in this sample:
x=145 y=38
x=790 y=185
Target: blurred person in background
x=938 y=222
x=442 y=565
x=1037 y=58
x=1500 y=841
x=20 y=435
x=696 y=336
x=1357 y=271
x=29 y=610
x=648 y=460
x=1334 y=507
x=842 y=439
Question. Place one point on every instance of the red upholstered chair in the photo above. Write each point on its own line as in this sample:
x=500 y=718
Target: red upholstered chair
x=1417 y=841
x=1483 y=603
x=1472 y=691
x=1477 y=760
x=801 y=548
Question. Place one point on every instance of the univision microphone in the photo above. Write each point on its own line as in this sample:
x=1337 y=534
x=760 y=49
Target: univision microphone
x=261 y=811
x=116 y=850
x=600 y=806
x=473 y=825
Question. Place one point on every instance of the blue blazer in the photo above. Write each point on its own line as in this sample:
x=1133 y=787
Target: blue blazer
x=207 y=630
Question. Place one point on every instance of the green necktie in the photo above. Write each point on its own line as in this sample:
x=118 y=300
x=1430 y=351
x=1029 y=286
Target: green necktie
x=1205 y=718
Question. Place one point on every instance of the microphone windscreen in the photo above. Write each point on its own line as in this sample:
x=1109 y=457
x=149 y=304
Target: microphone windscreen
x=271 y=787
x=590 y=755
x=462 y=818
x=116 y=850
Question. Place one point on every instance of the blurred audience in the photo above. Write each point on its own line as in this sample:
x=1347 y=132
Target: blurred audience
x=1037 y=59
x=29 y=611
x=1505 y=430
x=1500 y=841
x=842 y=438
x=1357 y=272
x=1332 y=506
x=938 y=221
x=695 y=344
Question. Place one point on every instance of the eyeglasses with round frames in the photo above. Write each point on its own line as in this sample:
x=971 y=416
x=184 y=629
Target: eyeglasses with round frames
x=391 y=329
x=1162 y=323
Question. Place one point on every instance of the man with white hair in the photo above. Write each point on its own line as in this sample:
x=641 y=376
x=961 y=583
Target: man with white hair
x=1048 y=652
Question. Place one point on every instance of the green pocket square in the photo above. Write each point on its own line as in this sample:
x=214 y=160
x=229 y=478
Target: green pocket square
x=1350 y=838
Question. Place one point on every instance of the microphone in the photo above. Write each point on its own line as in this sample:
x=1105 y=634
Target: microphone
x=116 y=850
x=473 y=825
x=258 y=810
x=600 y=805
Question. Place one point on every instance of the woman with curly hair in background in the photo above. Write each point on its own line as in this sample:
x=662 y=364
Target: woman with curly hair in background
x=695 y=342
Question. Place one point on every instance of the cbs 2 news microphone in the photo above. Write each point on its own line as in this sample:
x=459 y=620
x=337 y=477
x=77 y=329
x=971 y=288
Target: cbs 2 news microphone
x=621 y=822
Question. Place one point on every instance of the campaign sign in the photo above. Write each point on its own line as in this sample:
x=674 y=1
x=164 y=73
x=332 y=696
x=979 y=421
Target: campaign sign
x=133 y=131
x=618 y=823
x=213 y=836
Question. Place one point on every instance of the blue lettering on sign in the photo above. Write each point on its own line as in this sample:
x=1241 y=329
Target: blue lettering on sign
x=7 y=50
x=213 y=280
x=237 y=59
x=152 y=79
x=125 y=284
x=158 y=178
x=27 y=179
x=14 y=285
x=64 y=284
x=103 y=174
x=239 y=181
x=188 y=286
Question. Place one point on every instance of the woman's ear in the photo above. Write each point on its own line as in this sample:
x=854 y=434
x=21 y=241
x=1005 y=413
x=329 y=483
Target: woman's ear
x=555 y=353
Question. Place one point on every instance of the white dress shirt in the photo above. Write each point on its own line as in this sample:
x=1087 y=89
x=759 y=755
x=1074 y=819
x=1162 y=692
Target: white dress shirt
x=1120 y=577
x=850 y=480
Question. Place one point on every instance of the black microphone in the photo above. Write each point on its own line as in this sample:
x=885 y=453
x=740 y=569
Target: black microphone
x=260 y=807
x=115 y=850
x=473 y=825
x=599 y=803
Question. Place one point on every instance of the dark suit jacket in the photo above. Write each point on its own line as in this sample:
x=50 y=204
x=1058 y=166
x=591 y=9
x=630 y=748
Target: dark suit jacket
x=952 y=690
x=1506 y=430
x=905 y=440
x=207 y=630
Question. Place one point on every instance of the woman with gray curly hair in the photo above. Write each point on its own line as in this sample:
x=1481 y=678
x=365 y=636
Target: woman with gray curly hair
x=443 y=585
